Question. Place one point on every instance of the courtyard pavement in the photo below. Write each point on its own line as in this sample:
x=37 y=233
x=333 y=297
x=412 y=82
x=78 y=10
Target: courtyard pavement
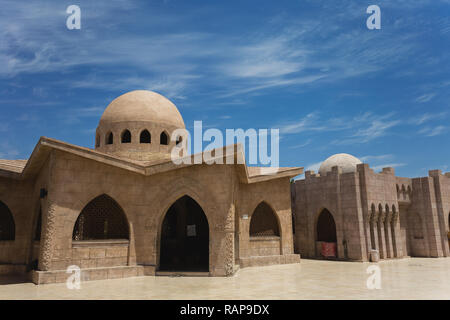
x=412 y=278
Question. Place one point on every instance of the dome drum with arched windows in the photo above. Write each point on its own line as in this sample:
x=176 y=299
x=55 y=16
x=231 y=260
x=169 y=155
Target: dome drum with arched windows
x=138 y=125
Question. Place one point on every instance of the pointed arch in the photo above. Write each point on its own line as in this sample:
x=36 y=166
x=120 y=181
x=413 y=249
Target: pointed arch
x=145 y=136
x=125 y=137
x=109 y=138
x=326 y=227
x=184 y=244
x=7 y=224
x=102 y=218
x=97 y=140
x=164 y=138
x=264 y=221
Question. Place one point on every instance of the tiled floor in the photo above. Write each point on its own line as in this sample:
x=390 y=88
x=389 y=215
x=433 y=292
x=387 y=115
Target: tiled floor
x=403 y=279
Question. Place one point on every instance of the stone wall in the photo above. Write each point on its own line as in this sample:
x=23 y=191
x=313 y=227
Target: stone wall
x=276 y=194
x=22 y=198
x=394 y=215
x=339 y=194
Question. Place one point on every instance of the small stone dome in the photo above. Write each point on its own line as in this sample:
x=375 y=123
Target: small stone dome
x=143 y=105
x=345 y=161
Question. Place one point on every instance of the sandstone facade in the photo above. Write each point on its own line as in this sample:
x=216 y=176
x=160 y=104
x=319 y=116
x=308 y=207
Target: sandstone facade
x=106 y=210
x=394 y=216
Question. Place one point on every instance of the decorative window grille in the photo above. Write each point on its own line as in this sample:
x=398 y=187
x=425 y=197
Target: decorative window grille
x=102 y=218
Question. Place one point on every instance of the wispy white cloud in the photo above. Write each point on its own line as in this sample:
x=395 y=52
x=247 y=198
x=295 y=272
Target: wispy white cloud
x=357 y=129
x=369 y=158
x=301 y=145
x=313 y=166
x=421 y=119
x=425 y=97
x=377 y=128
x=433 y=131
x=304 y=52
x=388 y=165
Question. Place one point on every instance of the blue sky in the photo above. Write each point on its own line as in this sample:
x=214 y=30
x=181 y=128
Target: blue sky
x=310 y=68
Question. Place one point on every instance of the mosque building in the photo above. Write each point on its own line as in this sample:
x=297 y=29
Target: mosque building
x=125 y=209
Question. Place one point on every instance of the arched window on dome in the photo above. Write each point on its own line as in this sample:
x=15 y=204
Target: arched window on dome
x=109 y=138
x=179 y=140
x=126 y=136
x=97 y=140
x=164 y=138
x=145 y=137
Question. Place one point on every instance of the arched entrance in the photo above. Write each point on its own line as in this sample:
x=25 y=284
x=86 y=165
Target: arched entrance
x=184 y=238
x=7 y=225
x=326 y=235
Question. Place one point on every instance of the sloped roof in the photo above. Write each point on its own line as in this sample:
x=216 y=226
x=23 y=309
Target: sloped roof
x=24 y=169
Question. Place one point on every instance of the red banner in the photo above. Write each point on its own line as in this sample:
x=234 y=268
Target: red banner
x=329 y=249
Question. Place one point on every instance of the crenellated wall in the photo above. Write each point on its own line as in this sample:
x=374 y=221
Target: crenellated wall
x=396 y=216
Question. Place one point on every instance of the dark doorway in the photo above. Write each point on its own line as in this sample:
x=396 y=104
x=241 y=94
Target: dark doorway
x=7 y=225
x=326 y=227
x=185 y=238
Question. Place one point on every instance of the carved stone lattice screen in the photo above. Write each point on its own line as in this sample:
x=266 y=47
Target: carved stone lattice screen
x=102 y=218
x=264 y=222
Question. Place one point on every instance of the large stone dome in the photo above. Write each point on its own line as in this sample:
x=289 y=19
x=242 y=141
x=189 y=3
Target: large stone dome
x=143 y=105
x=345 y=161
x=138 y=125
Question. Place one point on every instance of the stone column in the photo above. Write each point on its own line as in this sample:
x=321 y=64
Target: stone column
x=48 y=237
x=381 y=235
x=373 y=231
x=229 y=241
x=368 y=226
x=396 y=235
x=388 y=235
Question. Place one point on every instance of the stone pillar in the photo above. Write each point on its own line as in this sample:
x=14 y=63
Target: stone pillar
x=373 y=231
x=396 y=235
x=368 y=227
x=381 y=235
x=48 y=237
x=229 y=230
x=388 y=234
